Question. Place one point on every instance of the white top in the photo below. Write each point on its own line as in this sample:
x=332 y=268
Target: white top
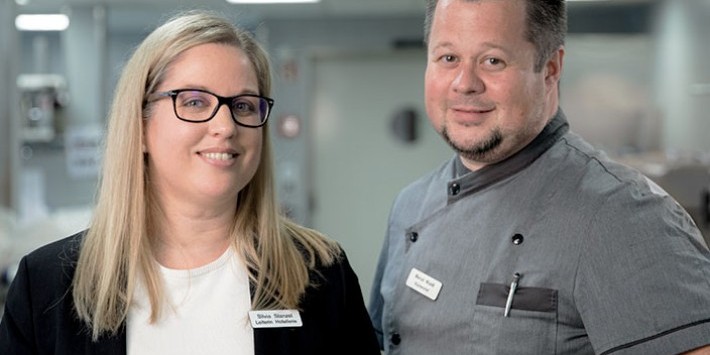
x=206 y=312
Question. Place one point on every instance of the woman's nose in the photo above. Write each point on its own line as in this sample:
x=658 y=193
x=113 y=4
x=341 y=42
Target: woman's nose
x=222 y=123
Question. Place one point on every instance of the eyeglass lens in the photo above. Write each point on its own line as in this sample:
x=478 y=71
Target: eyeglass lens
x=201 y=106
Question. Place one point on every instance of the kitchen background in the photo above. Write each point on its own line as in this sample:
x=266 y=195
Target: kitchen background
x=349 y=124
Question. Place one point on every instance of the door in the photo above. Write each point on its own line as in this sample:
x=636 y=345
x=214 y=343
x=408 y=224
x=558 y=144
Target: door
x=359 y=165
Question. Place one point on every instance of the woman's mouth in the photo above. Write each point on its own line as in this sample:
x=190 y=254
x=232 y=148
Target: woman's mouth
x=218 y=156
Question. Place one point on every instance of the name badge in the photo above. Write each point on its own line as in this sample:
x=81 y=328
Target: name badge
x=424 y=284
x=281 y=318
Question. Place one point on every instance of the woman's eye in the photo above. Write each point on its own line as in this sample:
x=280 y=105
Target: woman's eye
x=243 y=107
x=194 y=100
x=194 y=103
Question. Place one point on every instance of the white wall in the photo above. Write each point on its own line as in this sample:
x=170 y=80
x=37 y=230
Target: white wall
x=5 y=35
x=607 y=91
x=84 y=47
x=682 y=88
x=8 y=110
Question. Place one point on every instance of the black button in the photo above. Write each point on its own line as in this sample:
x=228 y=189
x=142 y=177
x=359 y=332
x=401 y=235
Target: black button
x=518 y=239
x=395 y=339
x=454 y=189
x=413 y=236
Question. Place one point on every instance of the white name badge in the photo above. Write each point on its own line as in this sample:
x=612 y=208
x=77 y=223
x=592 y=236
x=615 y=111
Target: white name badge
x=424 y=284
x=275 y=318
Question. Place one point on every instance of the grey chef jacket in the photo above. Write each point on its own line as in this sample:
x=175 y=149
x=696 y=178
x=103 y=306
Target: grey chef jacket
x=608 y=262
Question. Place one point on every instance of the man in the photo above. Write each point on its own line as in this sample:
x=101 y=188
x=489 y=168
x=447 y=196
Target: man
x=529 y=240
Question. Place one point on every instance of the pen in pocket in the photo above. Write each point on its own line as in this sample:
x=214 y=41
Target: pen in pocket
x=509 y=301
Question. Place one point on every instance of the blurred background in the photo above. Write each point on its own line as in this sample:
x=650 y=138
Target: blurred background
x=349 y=124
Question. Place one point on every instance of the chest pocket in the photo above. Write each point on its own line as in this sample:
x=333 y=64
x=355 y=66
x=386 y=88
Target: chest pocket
x=530 y=328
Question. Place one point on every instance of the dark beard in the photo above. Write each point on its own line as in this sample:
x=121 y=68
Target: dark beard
x=482 y=152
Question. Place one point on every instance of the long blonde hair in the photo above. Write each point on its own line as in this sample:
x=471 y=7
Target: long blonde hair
x=116 y=248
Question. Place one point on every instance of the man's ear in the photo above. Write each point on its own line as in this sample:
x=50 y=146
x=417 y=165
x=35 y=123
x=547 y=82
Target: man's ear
x=553 y=67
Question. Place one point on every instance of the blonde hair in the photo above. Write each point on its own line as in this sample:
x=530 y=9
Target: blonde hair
x=116 y=248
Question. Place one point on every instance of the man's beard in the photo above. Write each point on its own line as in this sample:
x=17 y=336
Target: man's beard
x=483 y=151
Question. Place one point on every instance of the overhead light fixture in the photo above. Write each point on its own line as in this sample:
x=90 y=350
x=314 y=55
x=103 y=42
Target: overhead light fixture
x=272 y=1
x=43 y=22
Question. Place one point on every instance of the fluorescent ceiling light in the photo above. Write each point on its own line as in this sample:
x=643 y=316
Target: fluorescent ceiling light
x=272 y=1
x=47 y=22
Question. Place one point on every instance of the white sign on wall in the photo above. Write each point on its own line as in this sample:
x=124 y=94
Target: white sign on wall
x=83 y=150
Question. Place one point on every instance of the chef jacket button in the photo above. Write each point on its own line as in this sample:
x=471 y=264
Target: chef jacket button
x=517 y=239
x=395 y=339
x=454 y=189
x=413 y=236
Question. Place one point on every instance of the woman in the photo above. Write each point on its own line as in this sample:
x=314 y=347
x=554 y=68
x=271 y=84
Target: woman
x=187 y=253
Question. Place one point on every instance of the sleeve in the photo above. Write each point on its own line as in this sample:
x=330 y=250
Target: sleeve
x=16 y=330
x=376 y=299
x=363 y=341
x=643 y=281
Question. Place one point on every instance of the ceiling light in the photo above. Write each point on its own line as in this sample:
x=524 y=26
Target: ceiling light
x=46 y=22
x=272 y=1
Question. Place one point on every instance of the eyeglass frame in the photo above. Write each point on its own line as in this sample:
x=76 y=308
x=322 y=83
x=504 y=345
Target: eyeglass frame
x=221 y=100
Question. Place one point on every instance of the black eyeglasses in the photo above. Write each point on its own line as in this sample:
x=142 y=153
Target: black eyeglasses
x=195 y=105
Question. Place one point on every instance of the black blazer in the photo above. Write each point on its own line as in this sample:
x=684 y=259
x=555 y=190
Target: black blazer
x=39 y=316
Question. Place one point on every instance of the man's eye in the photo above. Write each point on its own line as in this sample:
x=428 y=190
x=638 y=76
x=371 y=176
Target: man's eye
x=494 y=61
